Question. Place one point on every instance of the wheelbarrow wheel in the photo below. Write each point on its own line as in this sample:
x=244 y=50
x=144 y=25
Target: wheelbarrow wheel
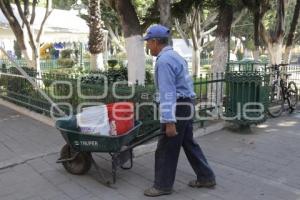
x=80 y=165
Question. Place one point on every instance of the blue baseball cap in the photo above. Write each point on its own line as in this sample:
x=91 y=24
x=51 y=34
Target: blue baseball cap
x=157 y=31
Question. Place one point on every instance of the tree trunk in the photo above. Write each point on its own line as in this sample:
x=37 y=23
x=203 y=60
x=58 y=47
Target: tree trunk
x=25 y=35
x=115 y=39
x=289 y=42
x=222 y=37
x=97 y=62
x=27 y=58
x=256 y=54
x=274 y=41
x=256 y=22
x=220 y=55
x=165 y=12
x=136 y=59
x=29 y=52
x=287 y=54
x=195 y=53
x=248 y=54
x=275 y=51
x=196 y=62
x=96 y=36
x=133 y=41
x=36 y=58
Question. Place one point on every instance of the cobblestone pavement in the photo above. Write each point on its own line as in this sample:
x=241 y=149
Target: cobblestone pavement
x=262 y=165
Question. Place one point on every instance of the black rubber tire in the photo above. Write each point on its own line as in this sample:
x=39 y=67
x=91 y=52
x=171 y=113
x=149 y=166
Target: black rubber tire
x=80 y=165
x=292 y=95
x=275 y=108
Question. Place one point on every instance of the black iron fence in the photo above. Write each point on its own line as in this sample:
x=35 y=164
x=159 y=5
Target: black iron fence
x=71 y=92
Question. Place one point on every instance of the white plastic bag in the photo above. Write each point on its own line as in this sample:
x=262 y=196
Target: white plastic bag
x=94 y=120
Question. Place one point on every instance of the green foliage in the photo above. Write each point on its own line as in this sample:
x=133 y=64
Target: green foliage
x=63 y=4
x=249 y=44
x=109 y=16
x=113 y=75
x=149 y=78
x=181 y=8
x=17 y=86
x=29 y=71
x=52 y=51
x=66 y=62
x=264 y=58
x=236 y=4
x=244 y=28
x=206 y=67
x=239 y=55
x=66 y=53
x=142 y=6
x=270 y=19
x=112 y=63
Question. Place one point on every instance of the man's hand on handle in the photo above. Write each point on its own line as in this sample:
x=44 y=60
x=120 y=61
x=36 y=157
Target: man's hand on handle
x=171 y=130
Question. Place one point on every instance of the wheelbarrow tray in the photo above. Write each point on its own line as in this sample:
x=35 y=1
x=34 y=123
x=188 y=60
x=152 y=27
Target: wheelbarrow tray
x=82 y=142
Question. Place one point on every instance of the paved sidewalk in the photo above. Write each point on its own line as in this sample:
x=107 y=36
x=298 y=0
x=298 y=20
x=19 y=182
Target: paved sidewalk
x=263 y=165
x=22 y=138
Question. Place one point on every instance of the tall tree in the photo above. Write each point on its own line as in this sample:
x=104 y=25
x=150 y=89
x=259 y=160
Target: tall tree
x=225 y=19
x=197 y=24
x=165 y=12
x=271 y=21
x=95 y=35
x=23 y=30
x=273 y=37
x=258 y=9
x=133 y=40
x=226 y=11
x=291 y=34
x=113 y=25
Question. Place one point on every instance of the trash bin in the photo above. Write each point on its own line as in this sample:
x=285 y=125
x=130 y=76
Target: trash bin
x=246 y=92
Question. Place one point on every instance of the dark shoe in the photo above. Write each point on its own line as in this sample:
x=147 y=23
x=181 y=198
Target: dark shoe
x=199 y=184
x=153 y=192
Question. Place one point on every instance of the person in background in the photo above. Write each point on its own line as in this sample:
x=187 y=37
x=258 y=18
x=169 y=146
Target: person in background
x=176 y=103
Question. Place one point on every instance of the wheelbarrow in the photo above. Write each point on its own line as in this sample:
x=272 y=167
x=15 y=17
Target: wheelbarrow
x=76 y=155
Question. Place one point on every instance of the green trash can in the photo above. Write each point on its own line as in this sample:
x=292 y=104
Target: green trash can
x=246 y=92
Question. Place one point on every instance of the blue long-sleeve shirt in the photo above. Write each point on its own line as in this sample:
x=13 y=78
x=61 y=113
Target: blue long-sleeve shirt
x=172 y=81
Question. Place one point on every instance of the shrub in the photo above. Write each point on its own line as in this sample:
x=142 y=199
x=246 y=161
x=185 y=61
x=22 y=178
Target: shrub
x=112 y=63
x=66 y=53
x=66 y=62
x=206 y=67
x=19 y=85
x=112 y=74
x=149 y=78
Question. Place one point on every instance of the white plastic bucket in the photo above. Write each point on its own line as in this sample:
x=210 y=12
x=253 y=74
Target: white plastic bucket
x=94 y=120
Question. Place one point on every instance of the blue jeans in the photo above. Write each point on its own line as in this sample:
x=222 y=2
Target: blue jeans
x=168 y=149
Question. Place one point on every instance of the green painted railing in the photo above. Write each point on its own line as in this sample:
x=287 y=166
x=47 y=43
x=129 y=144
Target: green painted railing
x=54 y=64
x=51 y=64
x=66 y=91
x=45 y=64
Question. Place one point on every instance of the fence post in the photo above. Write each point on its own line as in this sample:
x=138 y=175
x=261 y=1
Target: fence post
x=81 y=54
x=3 y=66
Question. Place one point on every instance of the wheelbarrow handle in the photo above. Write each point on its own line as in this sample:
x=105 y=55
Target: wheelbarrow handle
x=151 y=136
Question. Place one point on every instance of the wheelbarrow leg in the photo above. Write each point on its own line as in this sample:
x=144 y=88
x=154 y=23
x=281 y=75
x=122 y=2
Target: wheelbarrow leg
x=105 y=181
x=114 y=172
x=119 y=159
